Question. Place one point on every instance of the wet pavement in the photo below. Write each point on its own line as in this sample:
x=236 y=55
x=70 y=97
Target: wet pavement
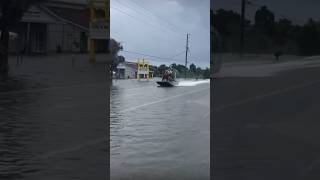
x=158 y=132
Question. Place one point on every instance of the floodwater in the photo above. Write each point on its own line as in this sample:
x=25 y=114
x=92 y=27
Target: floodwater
x=46 y=135
x=54 y=127
x=158 y=132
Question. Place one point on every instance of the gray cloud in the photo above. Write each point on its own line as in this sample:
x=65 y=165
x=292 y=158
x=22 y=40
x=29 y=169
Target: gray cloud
x=190 y=16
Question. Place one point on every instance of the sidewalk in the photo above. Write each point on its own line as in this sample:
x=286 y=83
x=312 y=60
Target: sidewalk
x=263 y=68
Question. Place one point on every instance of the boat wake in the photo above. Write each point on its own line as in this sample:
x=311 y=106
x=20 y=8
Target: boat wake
x=193 y=83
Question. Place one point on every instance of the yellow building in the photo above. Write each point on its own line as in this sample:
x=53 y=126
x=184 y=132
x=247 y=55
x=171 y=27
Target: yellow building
x=144 y=71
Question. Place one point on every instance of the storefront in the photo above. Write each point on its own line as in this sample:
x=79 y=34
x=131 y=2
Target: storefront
x=54 y=27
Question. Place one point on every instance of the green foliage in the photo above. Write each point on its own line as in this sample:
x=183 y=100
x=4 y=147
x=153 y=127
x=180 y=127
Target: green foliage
x=206 y=73
x=193 y=72
x=226 y=22
x=309 y=39
x=266 y=35
x=264 y=21
x=193 y=68
x=114 y=48
x=282 y=30
x=161 y=69
x=226 y=33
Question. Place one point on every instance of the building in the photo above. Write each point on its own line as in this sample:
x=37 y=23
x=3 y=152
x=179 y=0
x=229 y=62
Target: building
x=143 y=70
x=127 y=70
x=55 y=26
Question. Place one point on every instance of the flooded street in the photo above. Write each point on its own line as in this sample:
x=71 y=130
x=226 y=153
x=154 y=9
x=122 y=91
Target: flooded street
x=160 y=133
x=55 y=126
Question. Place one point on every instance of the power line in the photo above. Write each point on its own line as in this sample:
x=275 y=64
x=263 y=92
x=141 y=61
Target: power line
x=148 y=55
x=182 y=52
x=144 y=15
x=135 y=18
x=160 y=18
x=119 y=10
x=135 y=58
x=139 y=57
x=130 y=7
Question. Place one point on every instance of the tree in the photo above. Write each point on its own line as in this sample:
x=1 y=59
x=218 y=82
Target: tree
x=309 y=39
x=114 y=48
x=174 y=66
x=198 y=71
x=11 y=13
x=282 y=30
x=161 y=69
x=193 y=68
x=121 y=59
x=206 y=73
x=154 y=69
x=264 y=21
x=227 y=23
x=181 y=68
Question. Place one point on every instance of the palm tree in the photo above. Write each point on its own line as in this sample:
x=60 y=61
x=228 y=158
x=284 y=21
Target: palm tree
x=114 y=48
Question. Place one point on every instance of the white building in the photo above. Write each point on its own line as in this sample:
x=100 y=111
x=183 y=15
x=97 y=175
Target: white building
x=126 y=70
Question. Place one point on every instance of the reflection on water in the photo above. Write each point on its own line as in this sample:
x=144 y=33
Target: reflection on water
x=159 y=133
x=16 y=135
x=54 y=133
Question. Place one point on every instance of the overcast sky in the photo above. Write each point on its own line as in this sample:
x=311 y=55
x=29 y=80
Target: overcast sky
x=159 y=28
x=297 y=11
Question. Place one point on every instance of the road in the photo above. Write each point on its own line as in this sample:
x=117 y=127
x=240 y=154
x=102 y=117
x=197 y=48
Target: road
x=266 y=127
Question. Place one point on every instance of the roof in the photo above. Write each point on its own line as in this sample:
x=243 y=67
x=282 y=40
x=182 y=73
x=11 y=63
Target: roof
x=77 y=16
x=132 y=65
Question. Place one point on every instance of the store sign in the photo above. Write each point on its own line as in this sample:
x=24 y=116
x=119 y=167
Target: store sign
x=34 y=14
x=99 y=30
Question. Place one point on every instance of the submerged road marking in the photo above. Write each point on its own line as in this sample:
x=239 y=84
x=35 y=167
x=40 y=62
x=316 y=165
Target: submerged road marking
x=162 y=100
x=57 y=152
x=276 y=92
x=100 y=140
x=150 y=86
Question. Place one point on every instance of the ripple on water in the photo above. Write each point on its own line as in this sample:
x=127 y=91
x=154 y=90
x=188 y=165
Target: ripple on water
x=155 y=136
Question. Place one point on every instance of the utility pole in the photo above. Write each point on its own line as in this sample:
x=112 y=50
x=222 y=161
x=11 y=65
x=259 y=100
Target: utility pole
x=243 y=11
x=186 y=63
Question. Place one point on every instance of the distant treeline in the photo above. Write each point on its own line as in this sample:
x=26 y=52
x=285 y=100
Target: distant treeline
x=192 y=72
x=264 y=35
